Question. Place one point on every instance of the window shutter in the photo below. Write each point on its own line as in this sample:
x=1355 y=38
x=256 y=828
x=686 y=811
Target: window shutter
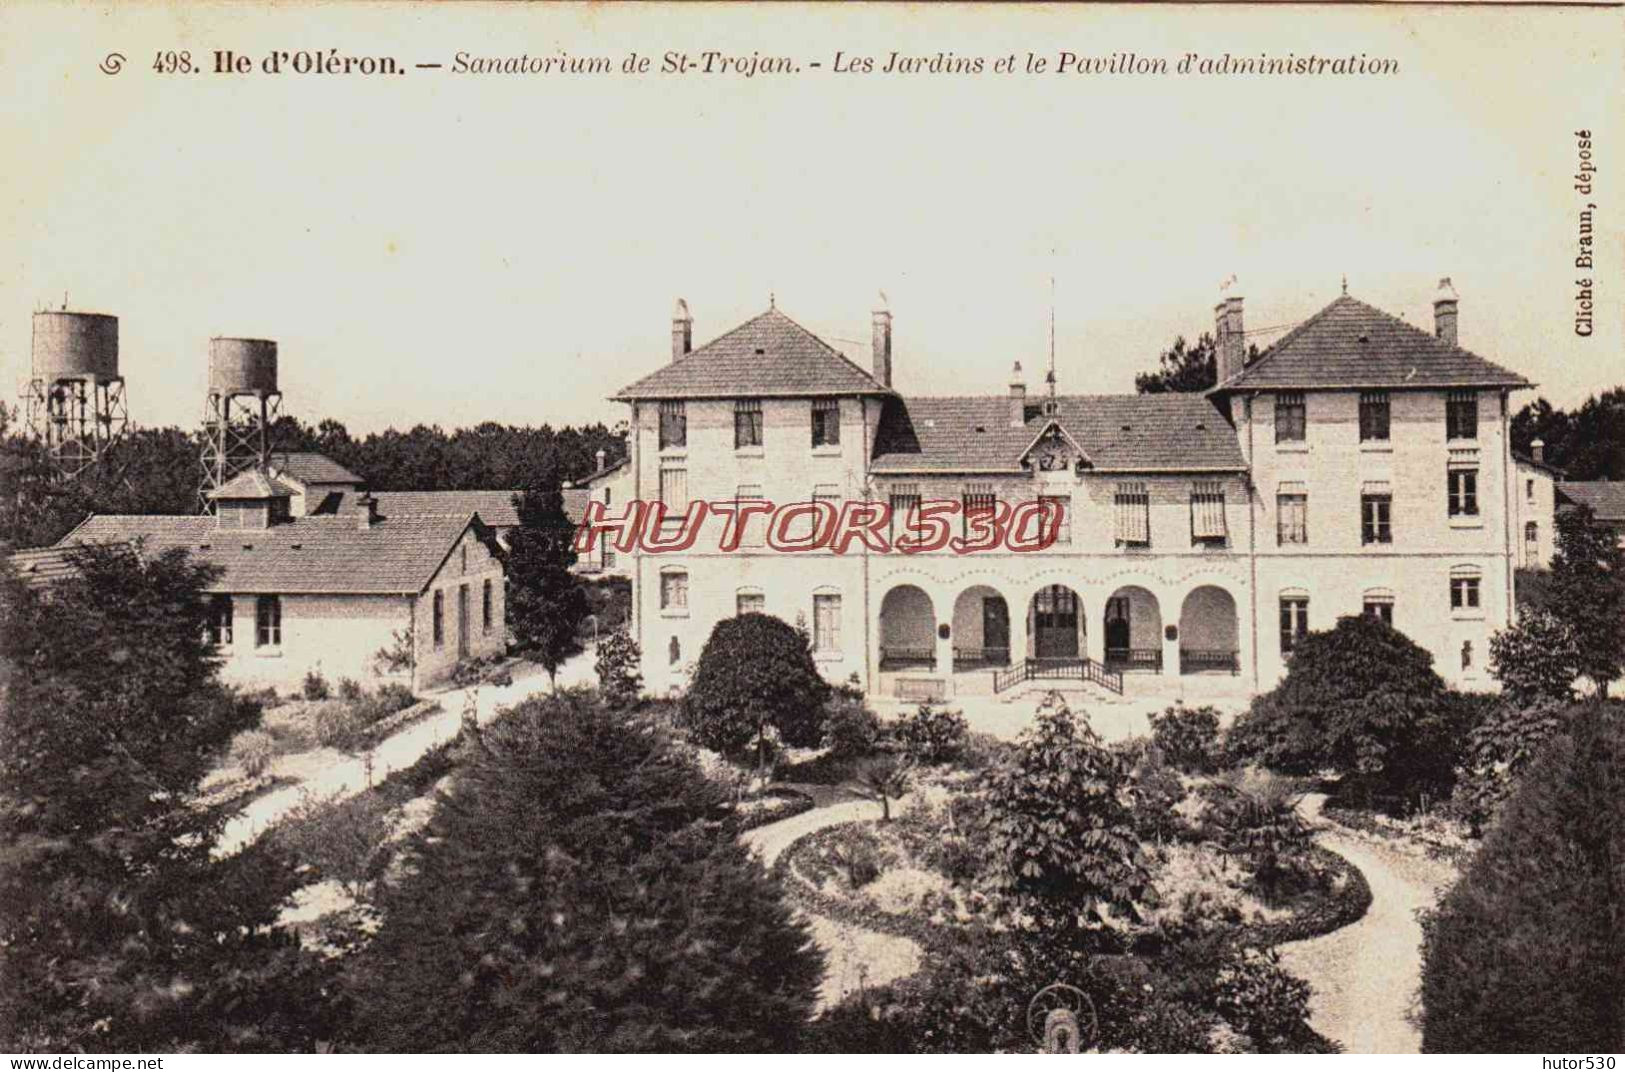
x=1133 y=514
x=1207 y=511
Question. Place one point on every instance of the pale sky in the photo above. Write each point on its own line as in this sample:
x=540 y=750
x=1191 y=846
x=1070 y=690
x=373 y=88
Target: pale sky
x=454 y=248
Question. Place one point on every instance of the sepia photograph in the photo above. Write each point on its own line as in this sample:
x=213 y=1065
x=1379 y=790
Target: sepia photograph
x=808 y=528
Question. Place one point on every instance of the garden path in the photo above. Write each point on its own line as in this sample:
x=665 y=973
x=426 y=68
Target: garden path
x=334 y=774
x=854 y=956
x=1366 y=975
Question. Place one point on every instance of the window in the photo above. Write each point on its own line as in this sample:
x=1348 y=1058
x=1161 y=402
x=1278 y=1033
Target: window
x=1289 y=417
x=674 y=590
x=1379 y=605
x=673 y=425
x=826 y=624
x=748 y=423
x=1529 y=490
x=828 y=493
x=1207 y=513
x=1063 y=503
x=674 y=652
x=1373 y=416
x=755 y=533
x=750 y=603
x=1463 y=492
x=826 y=422
x=975 y=499
x=905 y=500
x=462 y=558
x=439 y=619
x=608 y=550
x=1133 y=508
x=1461 y=415
x=674 y=491
x=268 y=622
x=1464 y=591
x=1531 y=544
x=218 y=629
x=485 y=606
x=281 y=510
x=1376 y=515
x=1294 y=621
x=1292 y=514
x=1466 y=654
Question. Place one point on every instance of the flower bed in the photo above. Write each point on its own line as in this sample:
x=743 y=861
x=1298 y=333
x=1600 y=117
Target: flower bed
x=773 y=804
x=1438 y=839
x=1347 y=900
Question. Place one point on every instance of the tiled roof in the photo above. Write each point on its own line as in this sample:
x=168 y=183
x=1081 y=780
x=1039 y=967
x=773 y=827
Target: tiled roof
x=1163 y=432
x=1605 y=497
x=42 y=565
x=1352 y=344
x=309 y=467
x=1524 y=459
x=305 y=556
x=253 y=484
x=495 y=508
x=575 y=503
x=770 y=355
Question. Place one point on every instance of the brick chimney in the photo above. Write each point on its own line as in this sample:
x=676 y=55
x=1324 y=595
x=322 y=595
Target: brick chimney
x=882 y=343
x=1537 y=450
x=1229 y=339
x=682 y=330
x=1018 y=397
x=1444 y=312
x=368 y=515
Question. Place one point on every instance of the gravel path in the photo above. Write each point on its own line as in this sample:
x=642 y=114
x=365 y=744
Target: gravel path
x=334 y=774
x=1366 y=975
x=855 y=957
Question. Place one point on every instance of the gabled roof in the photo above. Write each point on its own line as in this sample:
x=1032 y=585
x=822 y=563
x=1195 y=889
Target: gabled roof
x=575 y=503
x=1547 y=467
x=1121 y=433
x=1352 y=344
x=309 y=467
x=1605 y=497
x=305 y=556
x=42 y=566
x=495 y=507
x=770 y=355
x=253 y=484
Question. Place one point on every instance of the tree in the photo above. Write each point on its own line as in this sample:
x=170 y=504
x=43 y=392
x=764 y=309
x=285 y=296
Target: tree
x=546 y=602
x=118 y=929
x=1060 y=826
x=619 y=678
x=755 y=672
x=1588 y=593
x=1526 y=953
x=602 y=903
x=1588 y=444
x=1185 y=368
x=1360 y=699
x=1537 y=659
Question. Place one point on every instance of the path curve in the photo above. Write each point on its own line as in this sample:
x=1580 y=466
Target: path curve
x=855 y=957
x=1366 y=975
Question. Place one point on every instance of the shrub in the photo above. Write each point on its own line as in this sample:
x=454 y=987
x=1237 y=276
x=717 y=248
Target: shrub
x=314 y=686
x=342 y=840
x=1360 y=699
x=1155 y=792
x=1058 y=827
x=337 y=725
x=1588 y=592
x=253 y=751
x=350 y=689
x=755 y=672
x=884 y=778
x=858 y=857
x=620 y=678
x=1537 y=659
x=1498 y=750
x=931 y=735
x=387 y=699
x=850 y=728
x=1259 y=817
x=629 y=919
x=1188 y=737
x=1261 y=999
x=1524 y=952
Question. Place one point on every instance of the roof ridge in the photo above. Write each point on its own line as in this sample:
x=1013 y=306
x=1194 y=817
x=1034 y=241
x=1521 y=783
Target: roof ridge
x=865 y=373
x=1275 y=347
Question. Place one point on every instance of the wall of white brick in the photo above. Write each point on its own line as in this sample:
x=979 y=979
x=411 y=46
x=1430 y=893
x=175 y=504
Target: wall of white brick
x=337 y=635
x=469 y=566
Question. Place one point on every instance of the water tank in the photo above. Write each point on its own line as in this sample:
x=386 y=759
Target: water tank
x=75 y=346
x=242 y=366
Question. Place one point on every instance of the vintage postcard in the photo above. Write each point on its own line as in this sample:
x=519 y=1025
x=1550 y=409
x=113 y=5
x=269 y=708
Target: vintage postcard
x=811 y=528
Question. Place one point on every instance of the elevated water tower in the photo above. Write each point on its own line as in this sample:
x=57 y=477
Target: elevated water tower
x=74 y=397
x=242 y=407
